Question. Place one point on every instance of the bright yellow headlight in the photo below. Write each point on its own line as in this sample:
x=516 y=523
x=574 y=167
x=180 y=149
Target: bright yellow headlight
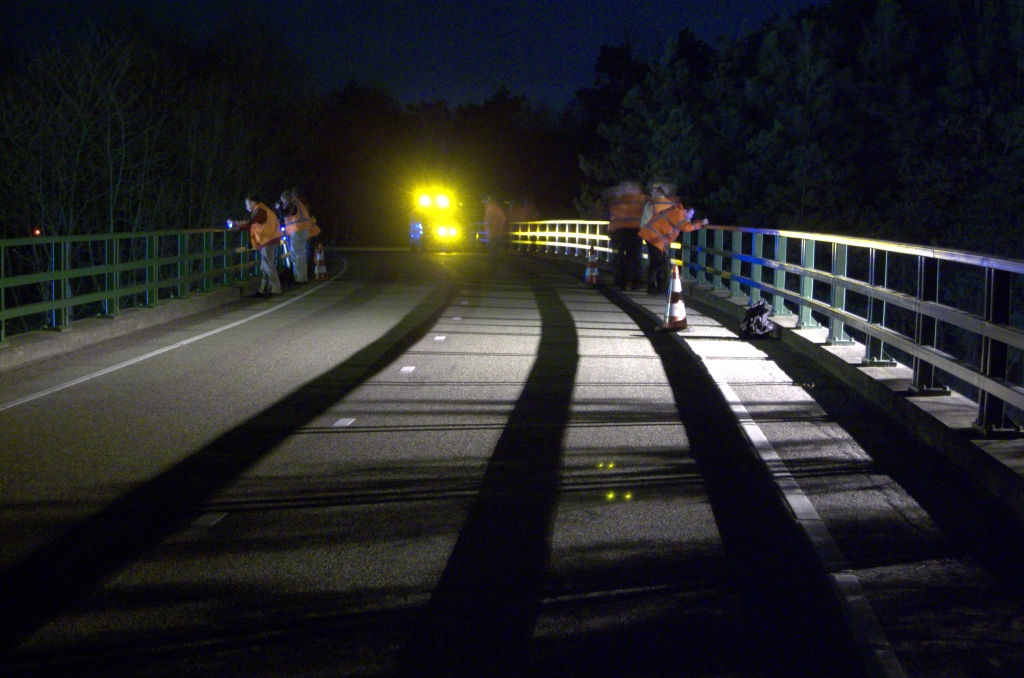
x=442 y=232
x=424 y=200
x=443 y=201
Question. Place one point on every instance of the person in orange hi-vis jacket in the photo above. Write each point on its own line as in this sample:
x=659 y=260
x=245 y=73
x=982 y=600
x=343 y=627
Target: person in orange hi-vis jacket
x=625 y=208
x=265 y=235
x=664 y=218
x=299 y=226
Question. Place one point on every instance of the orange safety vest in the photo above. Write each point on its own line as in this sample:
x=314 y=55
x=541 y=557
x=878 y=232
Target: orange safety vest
x=625 y=211
x=668 y=222
x=269 y=231
x=301 y=220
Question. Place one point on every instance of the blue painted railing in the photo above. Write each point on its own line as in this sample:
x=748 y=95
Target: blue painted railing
x=955 y=317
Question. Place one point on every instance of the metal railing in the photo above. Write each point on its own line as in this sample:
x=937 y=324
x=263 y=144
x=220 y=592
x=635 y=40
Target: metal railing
x=954 y=317
x=49 y=279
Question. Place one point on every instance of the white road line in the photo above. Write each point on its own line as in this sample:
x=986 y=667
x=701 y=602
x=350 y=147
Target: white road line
x=407 y=369
x=160 y=351
x=208 y=520
x=341 y=423
x=863 y=624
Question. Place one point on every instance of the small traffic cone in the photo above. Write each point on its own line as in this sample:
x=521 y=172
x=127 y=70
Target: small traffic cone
x=320 y=272
x=675 y=311
x=590 y=278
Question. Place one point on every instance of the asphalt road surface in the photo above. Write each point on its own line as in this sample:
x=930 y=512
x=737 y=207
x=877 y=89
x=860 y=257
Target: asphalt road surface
x=454 y=465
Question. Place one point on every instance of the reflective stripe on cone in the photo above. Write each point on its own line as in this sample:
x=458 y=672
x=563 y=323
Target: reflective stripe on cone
x=320 y=272
x=590 y=278
x=675 y=310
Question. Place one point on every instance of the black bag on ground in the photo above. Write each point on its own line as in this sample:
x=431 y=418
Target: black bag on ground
x=756 y=324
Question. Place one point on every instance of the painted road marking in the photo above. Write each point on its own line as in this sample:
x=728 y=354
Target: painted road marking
x=344 y=422
x=407 y=369
x=165 y=349
x=439 y=337
x=208 y=520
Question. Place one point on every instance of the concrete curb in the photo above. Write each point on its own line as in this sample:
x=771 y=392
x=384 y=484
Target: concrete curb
x=940 y=423
x=25 y=349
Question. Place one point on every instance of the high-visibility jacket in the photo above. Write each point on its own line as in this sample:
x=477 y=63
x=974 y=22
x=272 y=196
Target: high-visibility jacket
x=668 y=219
x=625 y=211
x=267 y=232
x=297 y=218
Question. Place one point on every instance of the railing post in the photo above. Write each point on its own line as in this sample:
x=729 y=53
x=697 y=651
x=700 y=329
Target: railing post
x=735 y=265
x=806 y=320
x=60 y=318
x=992 y=410
x=925 y=328
x=152 y=272
x=3 y=296
x=837 y=328
x=874 y=348
x=183 y=266
x=716 y=273
x=702 y=257
x=112 y=304
x=686 y=256
x=757 y=251
x=206 y=284
x=779 y=278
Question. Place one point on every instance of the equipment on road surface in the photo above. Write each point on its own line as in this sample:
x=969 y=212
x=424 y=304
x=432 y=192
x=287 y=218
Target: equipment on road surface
x=590 y=278
x=756 y=324
x=675 y=310
x=320 y=272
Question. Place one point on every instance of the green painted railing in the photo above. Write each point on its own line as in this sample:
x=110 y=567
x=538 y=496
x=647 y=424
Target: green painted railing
x=46 y=282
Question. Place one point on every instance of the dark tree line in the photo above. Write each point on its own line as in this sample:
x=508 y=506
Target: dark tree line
x=895 y=119
x=131 y=129
x=109 y=133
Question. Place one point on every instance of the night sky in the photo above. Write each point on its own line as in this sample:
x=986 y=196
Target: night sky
x=427 y=51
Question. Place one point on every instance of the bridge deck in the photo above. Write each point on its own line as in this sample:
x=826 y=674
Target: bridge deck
x=438 y=465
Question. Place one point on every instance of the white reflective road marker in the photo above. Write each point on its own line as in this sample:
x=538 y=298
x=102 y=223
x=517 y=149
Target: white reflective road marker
x=457 y=318
x=344 y=422
x=439 y=337
x=407 y=369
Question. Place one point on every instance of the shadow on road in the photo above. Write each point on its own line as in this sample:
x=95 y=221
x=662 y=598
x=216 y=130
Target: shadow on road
x=480 y=619
x=792 y=618
x=43 y=584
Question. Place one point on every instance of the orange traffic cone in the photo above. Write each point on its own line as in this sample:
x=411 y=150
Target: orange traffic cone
x=675 y=311
x=591 y=276
x=320 y=272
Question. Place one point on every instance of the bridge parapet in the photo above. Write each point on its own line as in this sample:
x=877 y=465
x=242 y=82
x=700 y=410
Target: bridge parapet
x=45 y=280
x=955 y=317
